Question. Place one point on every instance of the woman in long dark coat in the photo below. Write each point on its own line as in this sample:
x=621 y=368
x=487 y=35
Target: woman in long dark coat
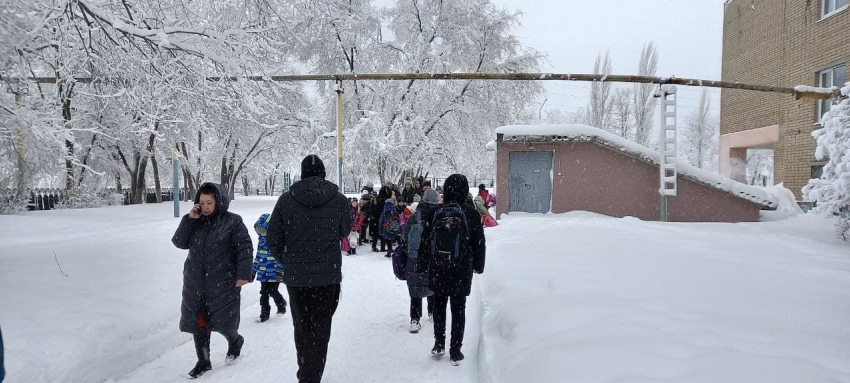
x=218 y=264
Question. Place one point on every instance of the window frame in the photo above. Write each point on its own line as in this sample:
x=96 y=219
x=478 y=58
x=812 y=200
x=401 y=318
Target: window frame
x=825 y=13
x=831 y=72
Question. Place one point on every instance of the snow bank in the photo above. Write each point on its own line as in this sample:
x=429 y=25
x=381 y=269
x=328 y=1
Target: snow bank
x=580 y=297
x=578 y=132
x=787 y=204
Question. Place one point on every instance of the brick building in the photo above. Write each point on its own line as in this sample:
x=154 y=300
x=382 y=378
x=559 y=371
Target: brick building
x=781 y=43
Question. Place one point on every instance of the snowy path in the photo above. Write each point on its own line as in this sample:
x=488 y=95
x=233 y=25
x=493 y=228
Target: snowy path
x=115 y=316
x=370 y=341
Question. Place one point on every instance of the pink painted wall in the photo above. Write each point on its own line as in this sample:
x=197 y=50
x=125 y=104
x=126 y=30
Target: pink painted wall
x=591 y=177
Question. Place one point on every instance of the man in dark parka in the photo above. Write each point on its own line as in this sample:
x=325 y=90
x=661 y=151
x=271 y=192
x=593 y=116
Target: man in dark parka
x=218 y=264
x=453 y=284
x=304 y=233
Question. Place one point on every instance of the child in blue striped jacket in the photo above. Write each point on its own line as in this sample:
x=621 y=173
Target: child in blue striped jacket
x=269 y=272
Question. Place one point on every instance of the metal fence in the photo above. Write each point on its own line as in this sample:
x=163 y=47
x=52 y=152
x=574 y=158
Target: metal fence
x=50 y=198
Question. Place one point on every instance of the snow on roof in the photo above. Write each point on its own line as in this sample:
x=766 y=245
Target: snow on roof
x=578 y=132
x=491 y=145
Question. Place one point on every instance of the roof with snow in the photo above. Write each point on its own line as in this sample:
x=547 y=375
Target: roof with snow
x=585 y=133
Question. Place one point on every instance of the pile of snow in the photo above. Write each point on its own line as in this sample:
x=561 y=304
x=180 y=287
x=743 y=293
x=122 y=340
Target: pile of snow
x=578 y=132
x=580 y=297
x=788 y=206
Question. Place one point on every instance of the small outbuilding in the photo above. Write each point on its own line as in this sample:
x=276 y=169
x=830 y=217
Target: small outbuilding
x=563 y=168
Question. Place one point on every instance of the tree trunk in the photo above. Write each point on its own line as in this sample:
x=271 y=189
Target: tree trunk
x=273 y=180
x=188 y=186
x=139 y=185
x=69 y=145
x=245 y=186
x=118 y=187
x=156 y=184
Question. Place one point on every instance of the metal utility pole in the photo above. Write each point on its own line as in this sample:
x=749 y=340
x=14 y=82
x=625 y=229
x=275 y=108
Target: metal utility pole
x=667 y=117
x=175 y=159
x=339 y=156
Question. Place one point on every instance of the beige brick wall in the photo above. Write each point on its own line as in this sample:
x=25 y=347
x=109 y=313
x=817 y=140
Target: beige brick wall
x=785 y=44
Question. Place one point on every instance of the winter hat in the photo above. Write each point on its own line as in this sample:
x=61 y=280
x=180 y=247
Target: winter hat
x=482 y=187
x=456 y=189
x=407 y=181
x=312 y=166
x=417 y=198
x=427 y=183
x=431 y=196
x=369 y=185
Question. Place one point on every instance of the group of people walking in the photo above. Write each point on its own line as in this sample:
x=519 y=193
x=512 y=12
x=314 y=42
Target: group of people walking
x=440 y=235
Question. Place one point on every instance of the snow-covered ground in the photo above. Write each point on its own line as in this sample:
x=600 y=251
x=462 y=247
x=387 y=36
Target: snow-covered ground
x=574 y=297
x=586 y=298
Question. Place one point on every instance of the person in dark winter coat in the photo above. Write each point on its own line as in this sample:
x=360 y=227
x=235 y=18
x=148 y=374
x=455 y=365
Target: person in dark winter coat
x=268 y=270
x=417 y=280
x=418 y=188
x=408 y=192
x=368 y=189
x=384 y=194
x=307 y=225
x=452 y=280
x=366 y=205
x=218 y=265
x=387 y=237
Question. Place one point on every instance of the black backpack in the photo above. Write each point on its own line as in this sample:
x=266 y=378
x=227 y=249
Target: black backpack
x=449 y=236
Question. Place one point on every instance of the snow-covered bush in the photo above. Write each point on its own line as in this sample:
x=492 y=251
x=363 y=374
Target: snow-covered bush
x=831 y=193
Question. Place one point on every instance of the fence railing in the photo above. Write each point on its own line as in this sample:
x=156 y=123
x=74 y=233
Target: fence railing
x=50 y=198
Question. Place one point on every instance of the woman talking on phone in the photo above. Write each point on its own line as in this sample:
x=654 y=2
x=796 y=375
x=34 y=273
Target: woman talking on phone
x=218 y=264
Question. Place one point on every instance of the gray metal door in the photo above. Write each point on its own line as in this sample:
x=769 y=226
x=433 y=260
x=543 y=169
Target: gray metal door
x=531 y=182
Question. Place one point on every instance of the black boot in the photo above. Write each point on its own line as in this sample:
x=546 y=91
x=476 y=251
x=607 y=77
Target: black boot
x=234 y=348
x=265 y=312
x=439 y=348
x=455 y=356
x=202 y=349
x=281 y=309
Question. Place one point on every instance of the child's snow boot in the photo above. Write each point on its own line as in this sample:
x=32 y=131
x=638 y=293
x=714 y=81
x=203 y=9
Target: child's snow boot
x=265 y=312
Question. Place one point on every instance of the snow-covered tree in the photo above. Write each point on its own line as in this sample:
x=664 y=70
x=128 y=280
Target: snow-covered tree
x=831 y=192
x=623 y=112
x=601 y=98
x=700 y=135
x=644 y=95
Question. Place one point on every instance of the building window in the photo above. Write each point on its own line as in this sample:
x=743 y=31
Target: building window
x=829 y=7
x=817 y=171
x=827 y=79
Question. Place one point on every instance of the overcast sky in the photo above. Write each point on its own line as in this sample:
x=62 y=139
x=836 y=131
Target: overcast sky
x=688 y=33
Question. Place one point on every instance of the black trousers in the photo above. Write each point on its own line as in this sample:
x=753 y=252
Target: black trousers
x=270 y=289
x=364 y=228
x=458 y=319
x=416 y=307
x=387 y=243
x=312 y=312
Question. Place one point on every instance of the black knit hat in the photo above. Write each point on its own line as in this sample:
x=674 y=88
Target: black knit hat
x=312 y=166
x=482 y=187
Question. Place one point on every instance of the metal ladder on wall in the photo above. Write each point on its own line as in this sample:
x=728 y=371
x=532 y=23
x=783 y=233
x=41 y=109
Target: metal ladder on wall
x=669 y=150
